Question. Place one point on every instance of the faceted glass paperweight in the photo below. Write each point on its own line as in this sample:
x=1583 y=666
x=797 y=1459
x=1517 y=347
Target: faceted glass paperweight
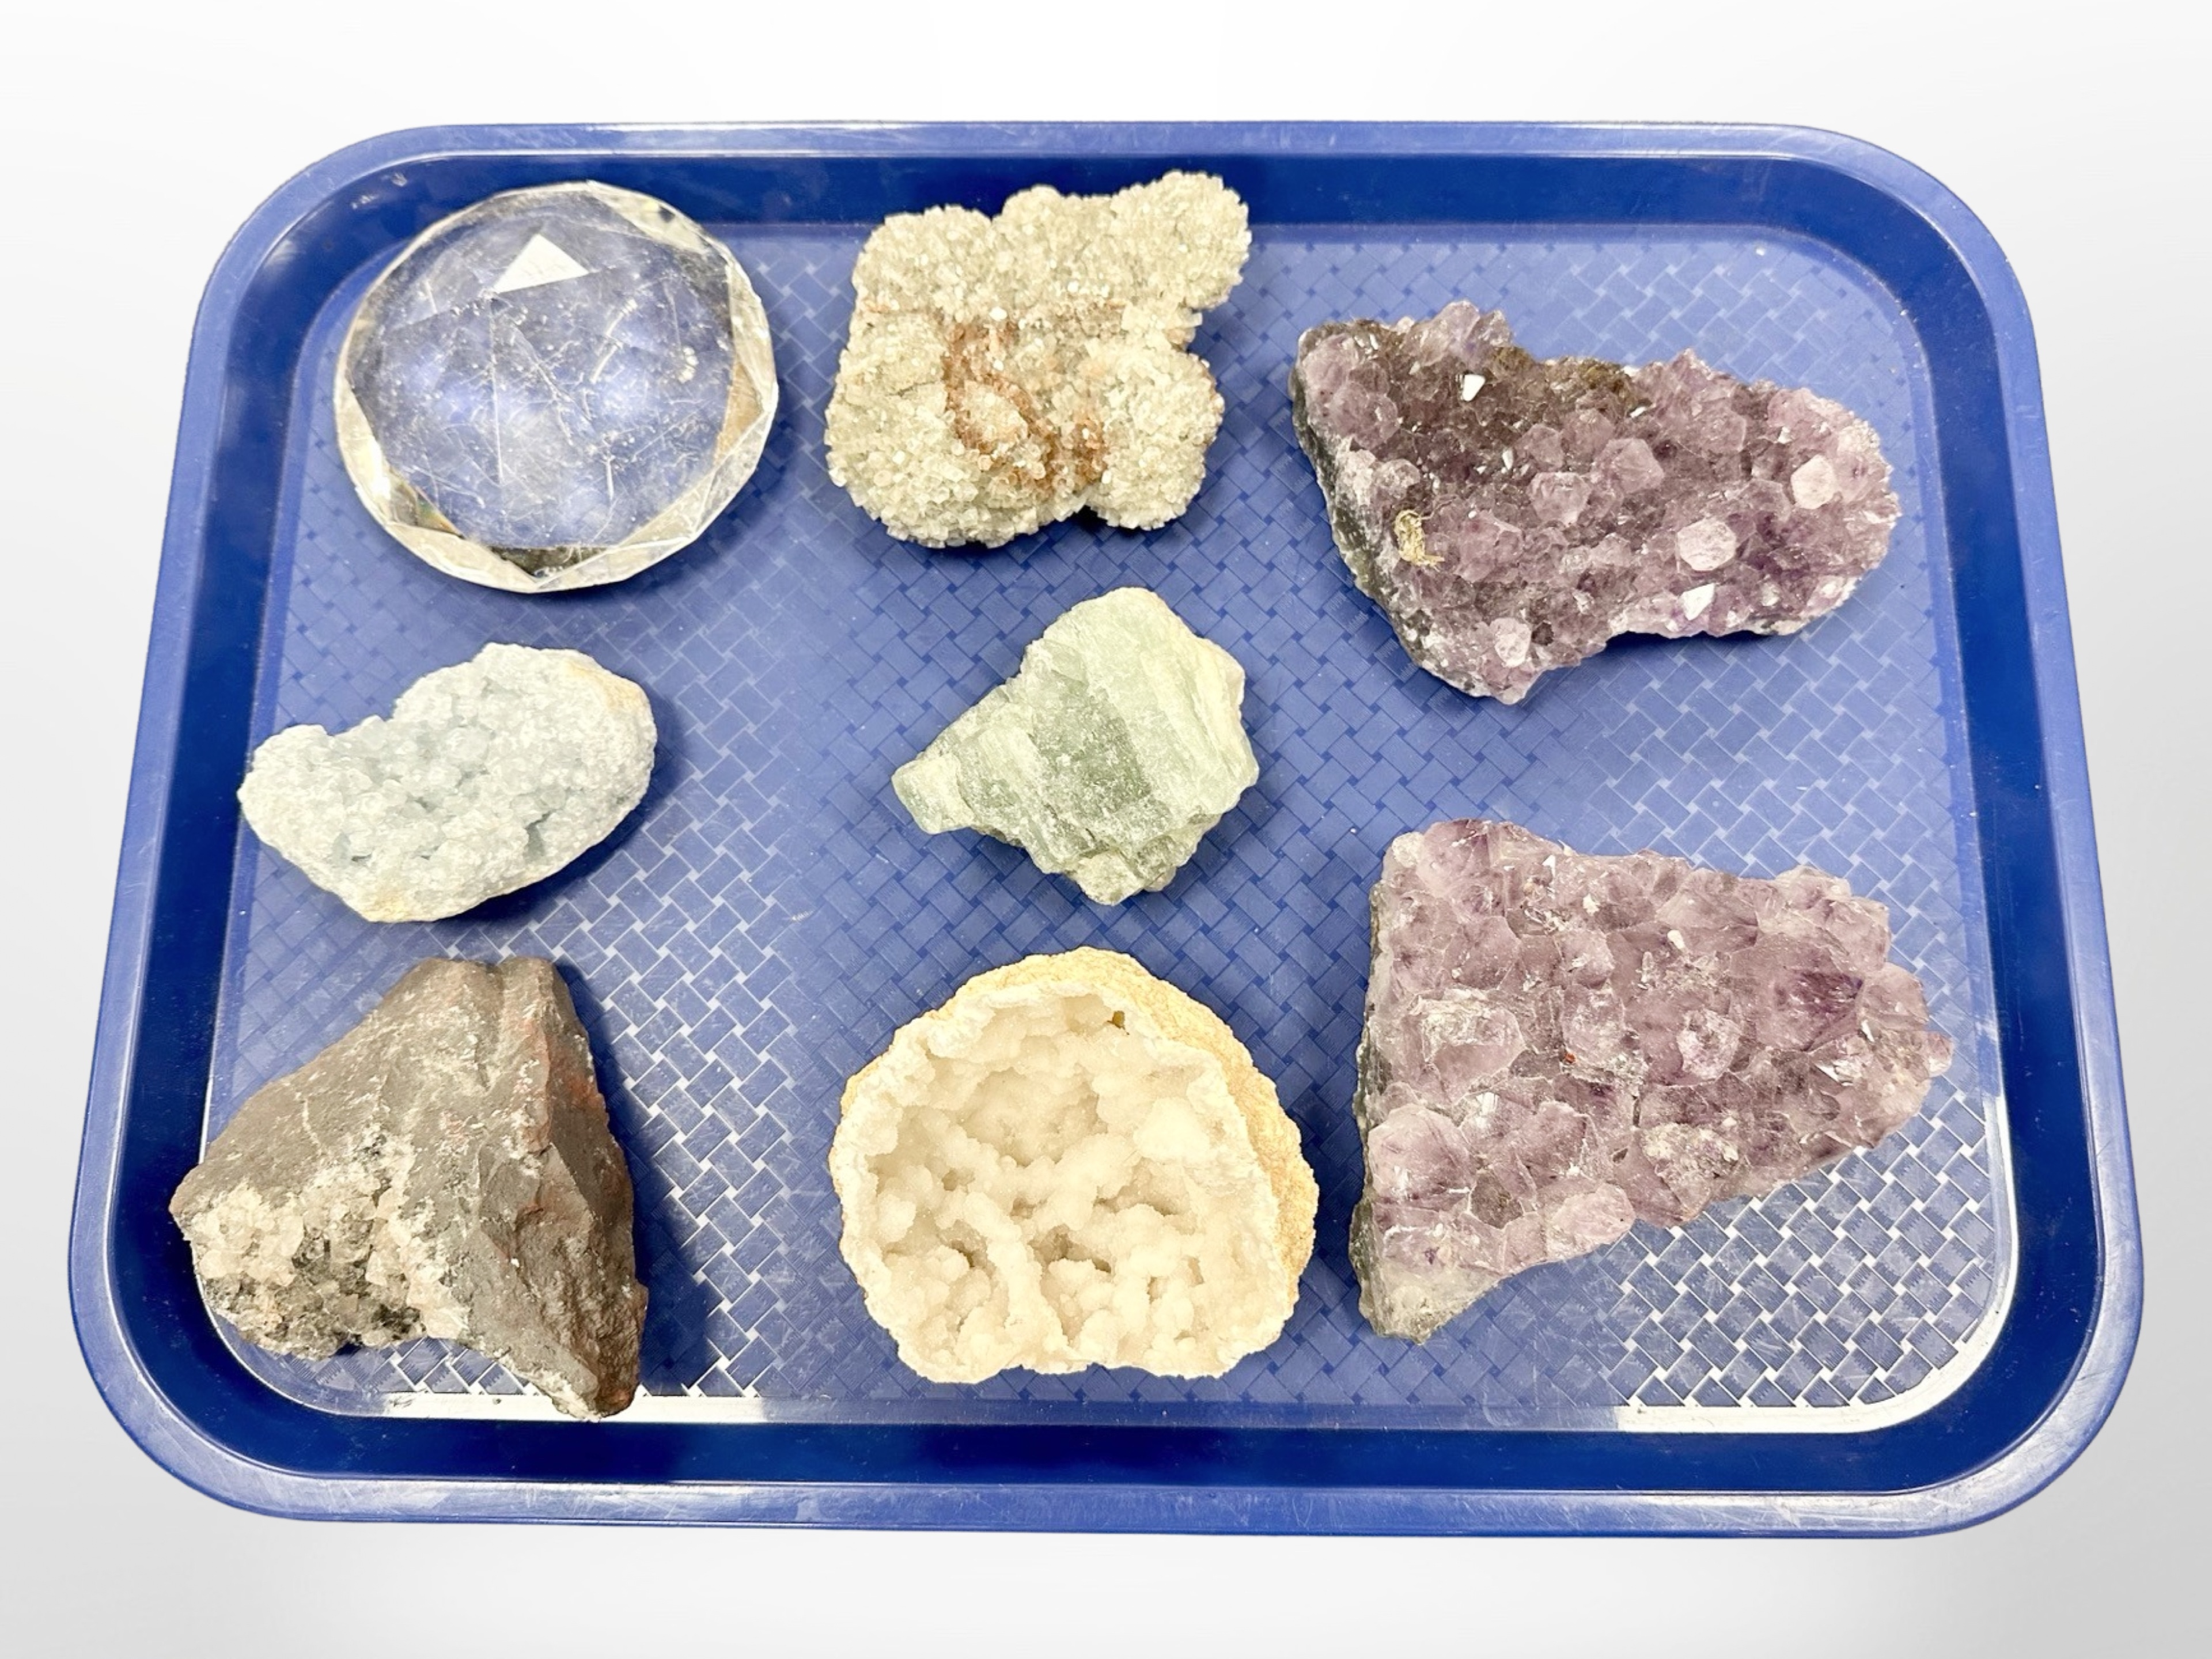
x=555 y=388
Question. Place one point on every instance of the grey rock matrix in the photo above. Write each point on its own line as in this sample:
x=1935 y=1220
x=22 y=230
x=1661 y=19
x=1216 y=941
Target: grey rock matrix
x=1559 y=1045
x=444 y=1169
x=488 y=777
x=1512 y=516
x=1116 y=747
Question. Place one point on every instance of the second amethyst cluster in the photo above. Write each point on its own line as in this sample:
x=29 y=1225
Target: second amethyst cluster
x=1511 y=515
x=1559 y=1045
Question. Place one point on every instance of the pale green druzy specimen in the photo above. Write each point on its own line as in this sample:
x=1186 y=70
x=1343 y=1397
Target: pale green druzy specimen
x=1119 y=744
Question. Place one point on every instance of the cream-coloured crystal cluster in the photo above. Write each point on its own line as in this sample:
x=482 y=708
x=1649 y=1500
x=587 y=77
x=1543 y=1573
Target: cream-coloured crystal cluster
x=1071 y=1163
x=1004 y=373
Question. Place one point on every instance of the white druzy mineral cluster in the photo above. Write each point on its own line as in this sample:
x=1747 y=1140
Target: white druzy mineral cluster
x=1004 y=373
x=489 y=775
x=1071 y=1163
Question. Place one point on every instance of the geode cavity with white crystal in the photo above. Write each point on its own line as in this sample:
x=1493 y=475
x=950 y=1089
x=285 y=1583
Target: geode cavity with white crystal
x=1512 y=514
x=1070 y=1163
x=555 y=388
x=1559 y=1045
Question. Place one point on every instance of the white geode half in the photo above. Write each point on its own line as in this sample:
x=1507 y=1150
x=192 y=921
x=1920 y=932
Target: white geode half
x=488 y=777
x=1071 y=1163
x=1116 y=747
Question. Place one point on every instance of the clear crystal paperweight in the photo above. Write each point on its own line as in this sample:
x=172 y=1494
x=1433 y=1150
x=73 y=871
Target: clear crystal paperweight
x=555 y=388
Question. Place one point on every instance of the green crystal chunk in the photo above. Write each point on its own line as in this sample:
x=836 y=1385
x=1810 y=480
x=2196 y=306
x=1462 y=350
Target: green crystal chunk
x=1118 y=745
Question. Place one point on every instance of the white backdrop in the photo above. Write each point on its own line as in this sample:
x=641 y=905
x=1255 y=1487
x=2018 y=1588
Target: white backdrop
x=135 y=145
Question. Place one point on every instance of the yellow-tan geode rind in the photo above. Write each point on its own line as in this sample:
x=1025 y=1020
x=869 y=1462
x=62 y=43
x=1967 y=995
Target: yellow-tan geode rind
x=940 y=1252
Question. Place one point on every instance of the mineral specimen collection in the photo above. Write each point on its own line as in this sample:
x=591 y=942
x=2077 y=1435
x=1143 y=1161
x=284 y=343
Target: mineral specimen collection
x=1116 y=747
x=444 y=1169
x=1071 y=1163
x=555 y=388
x=1512 y=516
x=1004 y=373
x=1559 y=1045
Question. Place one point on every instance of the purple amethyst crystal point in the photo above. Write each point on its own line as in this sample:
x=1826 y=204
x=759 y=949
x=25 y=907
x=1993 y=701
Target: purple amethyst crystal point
x=1512 y=516
x=1559 y=1045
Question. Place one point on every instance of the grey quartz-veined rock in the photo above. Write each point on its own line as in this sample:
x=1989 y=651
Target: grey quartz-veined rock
x=489 y=775
x=1005 y=372
x=444 y=1169
x=1511 y=515
x=554 y=387
x=1116 y=747
x=1557 y=1045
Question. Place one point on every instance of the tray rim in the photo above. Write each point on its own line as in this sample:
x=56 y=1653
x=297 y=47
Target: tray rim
x=191 y=1451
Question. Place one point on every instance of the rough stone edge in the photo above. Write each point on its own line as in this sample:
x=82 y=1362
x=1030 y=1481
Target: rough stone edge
x=1402 y=1310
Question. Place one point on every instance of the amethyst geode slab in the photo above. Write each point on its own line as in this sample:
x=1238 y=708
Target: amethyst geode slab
x=1559 y=1045
x=1511 y=515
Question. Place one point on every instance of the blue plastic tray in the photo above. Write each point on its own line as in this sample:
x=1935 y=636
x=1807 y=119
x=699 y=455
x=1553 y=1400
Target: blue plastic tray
x=1913 y=1339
